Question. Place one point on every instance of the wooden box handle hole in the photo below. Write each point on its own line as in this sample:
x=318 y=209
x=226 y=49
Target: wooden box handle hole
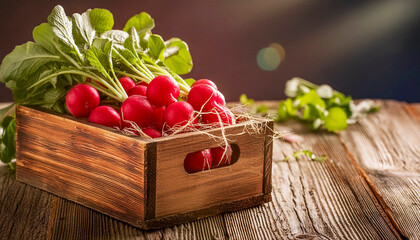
x=205 y=159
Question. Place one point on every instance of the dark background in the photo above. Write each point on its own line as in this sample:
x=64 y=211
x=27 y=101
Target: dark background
x=366 y=49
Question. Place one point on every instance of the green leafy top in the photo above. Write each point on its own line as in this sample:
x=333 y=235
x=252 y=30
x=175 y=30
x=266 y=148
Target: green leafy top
x=70 y=50
x=84 y=48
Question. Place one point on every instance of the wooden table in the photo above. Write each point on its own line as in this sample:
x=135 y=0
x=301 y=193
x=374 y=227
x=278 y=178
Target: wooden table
x=369 y=188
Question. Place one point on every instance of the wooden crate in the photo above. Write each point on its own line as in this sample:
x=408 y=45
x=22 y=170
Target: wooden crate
x=137 y=180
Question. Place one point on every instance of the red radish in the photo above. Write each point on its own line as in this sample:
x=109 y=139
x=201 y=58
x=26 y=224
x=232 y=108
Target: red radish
x=153 y=133
x=205 y=82
x=141 y=83
x=82 y=99
x=126 y=83
x=222 y=156
x=198 y=161
x=292 y=138
x=162 y=91
x=105 y=115
x=137 y=90
x=212 y=117
x=222 y=98
x=179 y=114
x=204 y=97
x=157 y=117
x=136 y=109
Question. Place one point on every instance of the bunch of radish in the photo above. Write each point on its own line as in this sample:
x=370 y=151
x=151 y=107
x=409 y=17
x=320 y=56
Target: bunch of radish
x=154 y=110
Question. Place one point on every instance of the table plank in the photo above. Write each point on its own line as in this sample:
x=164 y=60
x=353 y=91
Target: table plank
x=413 y=109
x=25 y=212
x=74 y=221
x=386 y=147
x=327 y=200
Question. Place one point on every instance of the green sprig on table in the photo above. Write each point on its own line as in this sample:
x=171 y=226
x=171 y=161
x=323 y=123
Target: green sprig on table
x=309 y=154
x=320 y=106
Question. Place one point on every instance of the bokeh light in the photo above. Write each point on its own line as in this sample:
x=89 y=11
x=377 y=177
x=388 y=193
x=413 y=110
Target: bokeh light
x=269 y=58
x=280 y=50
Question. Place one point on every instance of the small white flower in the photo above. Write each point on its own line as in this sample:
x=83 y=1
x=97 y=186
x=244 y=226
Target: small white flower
x=292 y=87
x=325 y=91
x=317 y=123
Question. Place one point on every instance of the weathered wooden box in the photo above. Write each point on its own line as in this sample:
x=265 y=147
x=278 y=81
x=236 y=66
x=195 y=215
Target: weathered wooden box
x=137 y=180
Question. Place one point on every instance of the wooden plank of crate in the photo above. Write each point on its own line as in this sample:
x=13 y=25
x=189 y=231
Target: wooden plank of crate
x=83 y=163
x=25 y=212
x=386 y=147
x=97 y=167
x=178 y=192
x=327 y=200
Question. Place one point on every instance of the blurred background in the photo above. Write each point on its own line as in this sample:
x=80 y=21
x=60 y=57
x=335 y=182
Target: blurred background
x=366 y=49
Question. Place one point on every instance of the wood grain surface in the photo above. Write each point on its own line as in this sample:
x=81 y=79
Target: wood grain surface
x=367 y=189
x=387 y=149
x=413 y=109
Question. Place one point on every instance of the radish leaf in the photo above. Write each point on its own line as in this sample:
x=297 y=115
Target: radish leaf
x=52 y=96
x=99 y=60
x=7 y=139
x=156 y=47
x=336 y=120
x=23 y=61
x=142 y=22
x=117 y=36
x=63 y=29
x=189 y=81
x=83 y=30
x=44 y=36
x=132 y=43
x=101 y=20
x=311 y=97
x=177 y=56
x=144 y=39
